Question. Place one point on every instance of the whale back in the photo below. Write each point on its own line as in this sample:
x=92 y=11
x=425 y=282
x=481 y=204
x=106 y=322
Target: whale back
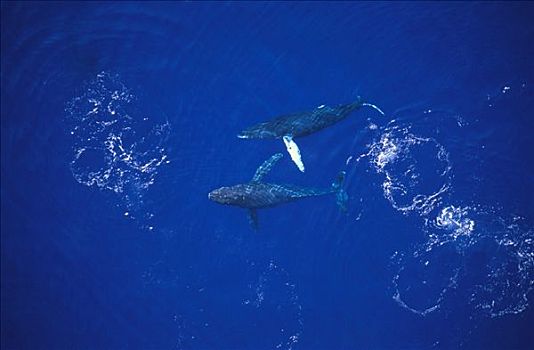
x=300 y=124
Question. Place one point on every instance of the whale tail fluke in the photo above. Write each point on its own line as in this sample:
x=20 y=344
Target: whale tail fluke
x=358 y=102
x=341 y=194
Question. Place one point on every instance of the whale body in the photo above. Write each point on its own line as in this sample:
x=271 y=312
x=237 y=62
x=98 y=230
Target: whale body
x=291 y=126
x=257 y=194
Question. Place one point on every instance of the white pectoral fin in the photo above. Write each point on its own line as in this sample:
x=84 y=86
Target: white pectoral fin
x=294 y=152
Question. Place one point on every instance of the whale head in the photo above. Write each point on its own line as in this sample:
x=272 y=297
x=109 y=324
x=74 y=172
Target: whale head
x=226 y=195
x=259 y=131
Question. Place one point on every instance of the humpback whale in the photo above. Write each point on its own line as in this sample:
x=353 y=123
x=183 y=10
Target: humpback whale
x=257 y=194
x=288 y=127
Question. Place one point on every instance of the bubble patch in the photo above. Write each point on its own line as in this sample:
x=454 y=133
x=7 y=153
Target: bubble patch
x=401 y=157
x=452 y=224
x=506 y=276
x=424 y=278
x=491 y=266
x=275 y=297
x=116 y=145
x=471 y=258
x=455 y=219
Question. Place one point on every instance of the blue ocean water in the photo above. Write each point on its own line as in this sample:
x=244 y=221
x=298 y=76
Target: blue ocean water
x=117 y=119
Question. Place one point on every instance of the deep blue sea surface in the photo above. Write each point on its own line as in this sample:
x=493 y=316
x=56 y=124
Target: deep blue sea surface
x=118 y=119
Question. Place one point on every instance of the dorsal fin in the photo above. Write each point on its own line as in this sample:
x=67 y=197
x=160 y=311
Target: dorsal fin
x=266 y=167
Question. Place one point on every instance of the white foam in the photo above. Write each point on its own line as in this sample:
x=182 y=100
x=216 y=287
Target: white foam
x=112 y=151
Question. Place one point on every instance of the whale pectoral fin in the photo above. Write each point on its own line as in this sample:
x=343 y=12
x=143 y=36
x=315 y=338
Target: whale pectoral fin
x=253 y=218
x=266 y=167
x=294 y=151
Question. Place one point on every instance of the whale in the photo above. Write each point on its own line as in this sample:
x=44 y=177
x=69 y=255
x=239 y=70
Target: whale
x=291 y=126
x=257 y=194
